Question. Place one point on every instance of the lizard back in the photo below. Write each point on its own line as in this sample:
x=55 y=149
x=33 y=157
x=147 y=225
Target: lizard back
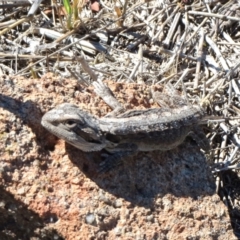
x=152 y=120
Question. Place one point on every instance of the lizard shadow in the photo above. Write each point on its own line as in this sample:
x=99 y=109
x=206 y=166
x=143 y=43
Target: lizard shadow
x=30 y=114
x=230 y=194
x=183 y=172
x=17 y=221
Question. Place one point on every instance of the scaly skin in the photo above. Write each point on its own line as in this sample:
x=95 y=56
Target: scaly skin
x=124 y=134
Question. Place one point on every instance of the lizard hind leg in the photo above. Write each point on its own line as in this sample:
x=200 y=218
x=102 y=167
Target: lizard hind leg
x=199 y=137
x=169 y=98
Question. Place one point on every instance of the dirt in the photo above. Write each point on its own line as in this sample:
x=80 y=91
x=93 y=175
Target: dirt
x=51 y=190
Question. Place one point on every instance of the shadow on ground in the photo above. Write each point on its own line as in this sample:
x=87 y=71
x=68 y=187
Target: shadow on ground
x=231 y=194
x=18 y=222
x=182 y=172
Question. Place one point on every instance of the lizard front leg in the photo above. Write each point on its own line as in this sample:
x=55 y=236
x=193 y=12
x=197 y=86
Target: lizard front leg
x=121 y=153
x=200 y=138
x=106 y=94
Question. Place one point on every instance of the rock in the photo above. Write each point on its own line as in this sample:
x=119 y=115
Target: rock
x=56 y=187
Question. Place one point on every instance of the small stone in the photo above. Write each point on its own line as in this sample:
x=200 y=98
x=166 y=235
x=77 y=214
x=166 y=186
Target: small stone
x=118 y=231
x=149 y=218
x=90 y=218
x=76 y=181
x=21 y=191
x=118 y=203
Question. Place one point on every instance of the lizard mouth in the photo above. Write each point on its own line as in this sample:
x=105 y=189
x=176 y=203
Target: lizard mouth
x=85 y=136
x=83 y=141
x=88 y=134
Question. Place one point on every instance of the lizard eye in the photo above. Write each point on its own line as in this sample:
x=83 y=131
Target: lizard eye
x=70 y=123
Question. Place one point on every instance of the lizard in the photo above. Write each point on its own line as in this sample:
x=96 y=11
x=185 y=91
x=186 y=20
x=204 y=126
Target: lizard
x=123 y=133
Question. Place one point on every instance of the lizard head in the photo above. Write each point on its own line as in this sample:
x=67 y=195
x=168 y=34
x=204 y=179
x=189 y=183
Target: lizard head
x=75 y=126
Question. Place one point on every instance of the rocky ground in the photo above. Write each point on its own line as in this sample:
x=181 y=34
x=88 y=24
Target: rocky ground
x=51 y=190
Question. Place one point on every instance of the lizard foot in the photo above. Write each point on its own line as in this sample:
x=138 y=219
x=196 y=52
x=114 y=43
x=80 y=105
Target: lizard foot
x=112 y=161
x=201 y=140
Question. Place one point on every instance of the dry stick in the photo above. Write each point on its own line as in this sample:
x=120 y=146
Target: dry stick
x=65 y=35
x=27 y=19
x=6 y=68
x=66 y=47
x=172 y=29
x=85 y=45
x=204 y=79
x=222 y=17
x=186 y=71
x=6 y=23
x=234 y=137
x=217 y=52
x=34 y=7
x=101 y=71
x=149 y=26
x=230 y=93
x=236 y=89
x=59 y=13
x=227 y=37
x=86 y=68
x=79 y=77
x=61 y=49
x=217 y=184
x=150 y=19
x=124 y=10
x=132 y=75
x=26 y=56
x=172 y=53
x=53 y=14
x=16 y=60
x=207 y=6
x=165 y=79
x=156 y=15
x=177 y=34
x=228 y=43
x=199 y=60
x=140 y=55
x=230 y=200
x=236 y=110
x=214 y=78
x=155 y=38
x=212 y=44
x=16 y=3
x=196 y=30
x=231 y=42
x=231 y=158
x=235 y=166
x=214 y=90
x=105 y=6
x=10 y=15
x=136 y=43
x=182 y=41
x=223 y=145
x=174 y=56
x=200 y=25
